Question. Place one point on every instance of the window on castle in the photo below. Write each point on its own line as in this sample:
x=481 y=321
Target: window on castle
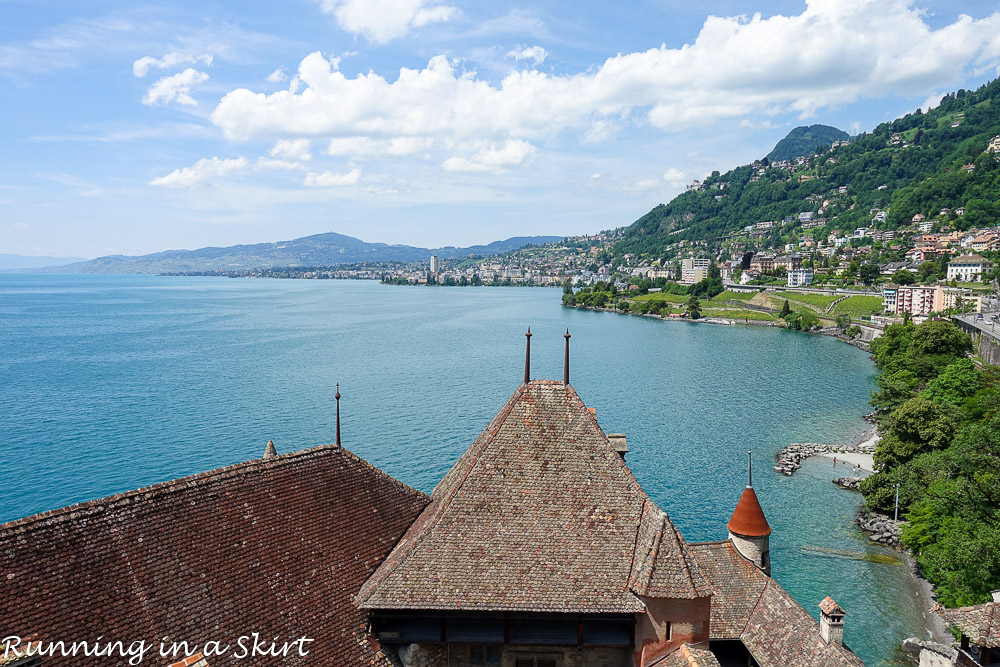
x=484 y=655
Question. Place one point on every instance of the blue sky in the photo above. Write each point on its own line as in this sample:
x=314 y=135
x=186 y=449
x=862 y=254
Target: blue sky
x=132 y=128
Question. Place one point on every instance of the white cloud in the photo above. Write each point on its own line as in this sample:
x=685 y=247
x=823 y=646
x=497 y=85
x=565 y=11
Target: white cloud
x=175 y=88
x=368 y=148
x=492 y=159
x=328 y=179
x=675 y=178
x=201 y=171
x=278 y=75
x=833 y=53
x=142 y=66
x=383 y=20
x=293 y=150
x=534 y=53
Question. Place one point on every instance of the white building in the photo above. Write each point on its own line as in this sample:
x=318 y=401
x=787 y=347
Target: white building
x=694 y=270
x=800 y=277
x=969 y=268
x=435 y=264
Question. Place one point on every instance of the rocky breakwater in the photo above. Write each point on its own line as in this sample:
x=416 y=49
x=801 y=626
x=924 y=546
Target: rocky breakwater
x=790 y=458
x=880 y=529
x=852 y=483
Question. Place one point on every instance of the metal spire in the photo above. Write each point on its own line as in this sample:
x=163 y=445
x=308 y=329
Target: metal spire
x=749 y=469
x=527 y=357
x=337 y=396
x=566 y=362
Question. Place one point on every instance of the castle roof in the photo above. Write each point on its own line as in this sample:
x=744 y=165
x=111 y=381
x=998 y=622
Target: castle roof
x=980 y=623
x=689 y=656
x=748 y=518
x=750 y=606
x=540 y=514
x=276 y=546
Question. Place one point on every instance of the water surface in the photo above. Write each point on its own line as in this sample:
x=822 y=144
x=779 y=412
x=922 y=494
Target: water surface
x=115 y=382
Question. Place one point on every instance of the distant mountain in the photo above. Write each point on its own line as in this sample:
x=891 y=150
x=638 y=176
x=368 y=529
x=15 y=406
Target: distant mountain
x=14 y=262
x=319 y=250
x=803 y=140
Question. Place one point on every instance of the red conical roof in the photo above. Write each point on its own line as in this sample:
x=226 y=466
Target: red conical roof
x=748 y=518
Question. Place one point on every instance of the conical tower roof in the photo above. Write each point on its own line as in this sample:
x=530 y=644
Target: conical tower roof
x=748 y=518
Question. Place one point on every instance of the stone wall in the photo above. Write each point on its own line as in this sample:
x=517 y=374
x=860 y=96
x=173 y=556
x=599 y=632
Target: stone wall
x=987 y=347
x=667 y=624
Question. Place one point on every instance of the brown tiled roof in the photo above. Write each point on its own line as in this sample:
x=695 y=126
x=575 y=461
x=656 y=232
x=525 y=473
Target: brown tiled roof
x=539 y=514
x=828 y=606
x=752 y=607
x=980 y=623
x=688 y=656
x=748 y=518
x=275 y=546
x=737 y=585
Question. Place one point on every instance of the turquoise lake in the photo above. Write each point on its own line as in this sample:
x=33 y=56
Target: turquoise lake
x=111 y=383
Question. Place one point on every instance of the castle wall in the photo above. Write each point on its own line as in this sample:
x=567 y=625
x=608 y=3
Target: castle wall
x=667 y=624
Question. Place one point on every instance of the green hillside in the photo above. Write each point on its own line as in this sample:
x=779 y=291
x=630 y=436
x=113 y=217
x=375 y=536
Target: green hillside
x=805 y=140
x=915 y=164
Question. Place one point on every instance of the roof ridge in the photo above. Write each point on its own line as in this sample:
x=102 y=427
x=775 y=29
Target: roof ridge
x=393 y=561
x=756 y=606
x=69 y=512
x=635 y=543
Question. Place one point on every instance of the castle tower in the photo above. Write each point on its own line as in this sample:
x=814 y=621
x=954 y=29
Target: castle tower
x=748 y=528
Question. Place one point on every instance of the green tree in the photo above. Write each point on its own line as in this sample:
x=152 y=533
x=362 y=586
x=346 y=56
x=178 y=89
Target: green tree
x=694 y=307
x=918 y=425
x=903 y=277
x=868 y=273
x=957 y=382
x=785 y=309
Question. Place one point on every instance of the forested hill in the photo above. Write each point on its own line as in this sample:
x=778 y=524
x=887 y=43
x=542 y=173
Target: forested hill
x=920 y=163
x=804 y=140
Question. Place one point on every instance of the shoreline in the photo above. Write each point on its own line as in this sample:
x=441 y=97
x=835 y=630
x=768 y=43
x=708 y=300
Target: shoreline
x=859 y=453
x=830 y=332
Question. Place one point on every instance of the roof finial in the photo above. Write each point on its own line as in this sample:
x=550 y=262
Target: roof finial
x=527 y=357
x=337 y=396
x=269 y=451
x=749 y=468
x=566 y=362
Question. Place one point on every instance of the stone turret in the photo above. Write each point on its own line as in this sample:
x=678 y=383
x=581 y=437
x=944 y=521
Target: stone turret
x=831 y=621
x=748 y=528
x=269 y=451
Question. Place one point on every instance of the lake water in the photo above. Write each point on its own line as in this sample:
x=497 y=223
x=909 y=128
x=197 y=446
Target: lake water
x=110 y=383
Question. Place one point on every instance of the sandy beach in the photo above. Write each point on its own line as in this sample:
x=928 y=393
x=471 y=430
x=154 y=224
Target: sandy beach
x=851 y=459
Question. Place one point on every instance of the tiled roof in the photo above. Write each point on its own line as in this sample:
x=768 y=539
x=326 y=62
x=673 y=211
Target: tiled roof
x=828 y=606
x=539 y=514
x=980 y=623
x=752 y=607
x=688 y=656
x=737 y=585
x=748 y=518
x=275 y=546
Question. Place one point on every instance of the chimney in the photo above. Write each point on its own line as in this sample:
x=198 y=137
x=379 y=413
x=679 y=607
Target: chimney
x=831 y=621
x=996 y=595
x=269 y=451
x=617 y=441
